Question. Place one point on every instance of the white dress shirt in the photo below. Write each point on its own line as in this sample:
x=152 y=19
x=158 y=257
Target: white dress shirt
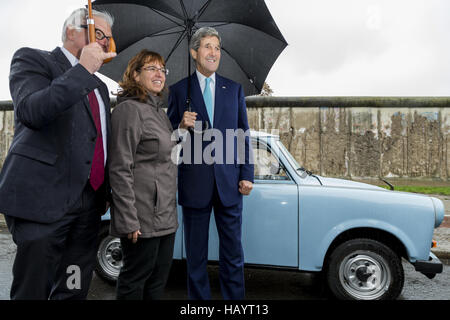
x=73 y=61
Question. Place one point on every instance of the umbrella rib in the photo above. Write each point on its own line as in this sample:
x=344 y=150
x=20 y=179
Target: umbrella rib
x=166 y=17
x=160 y=33
x=240 y=67
x=223 y=23
x=184 y=9
x=203 y=9
x=219 y=24
x=180 y=39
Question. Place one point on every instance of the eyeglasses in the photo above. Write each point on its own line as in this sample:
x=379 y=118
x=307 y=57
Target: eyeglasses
x=153 y=69
x=99 y=34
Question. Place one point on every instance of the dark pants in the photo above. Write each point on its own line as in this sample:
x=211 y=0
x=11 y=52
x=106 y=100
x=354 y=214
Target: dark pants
x=231 y=254
x=55 y=261
x=146 y=267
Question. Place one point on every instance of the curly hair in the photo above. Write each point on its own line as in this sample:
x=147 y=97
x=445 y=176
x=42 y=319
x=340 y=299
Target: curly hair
x=129 y=86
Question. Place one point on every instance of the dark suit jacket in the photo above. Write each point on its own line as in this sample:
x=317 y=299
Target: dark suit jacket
x=49 y=160
x=196 y=181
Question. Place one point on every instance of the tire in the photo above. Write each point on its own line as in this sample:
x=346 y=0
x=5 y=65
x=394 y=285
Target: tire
x=364 y=269
x=109 y=256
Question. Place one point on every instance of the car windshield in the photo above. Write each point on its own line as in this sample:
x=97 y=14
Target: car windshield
x=288 y=155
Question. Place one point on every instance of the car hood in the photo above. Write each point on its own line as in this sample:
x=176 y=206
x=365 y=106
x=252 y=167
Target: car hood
x=334 y=182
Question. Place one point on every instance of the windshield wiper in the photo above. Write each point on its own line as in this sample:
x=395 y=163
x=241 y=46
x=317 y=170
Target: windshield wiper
x=309 y=173
x=390 y=185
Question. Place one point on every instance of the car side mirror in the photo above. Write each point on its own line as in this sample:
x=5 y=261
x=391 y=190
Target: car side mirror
x=275 y=168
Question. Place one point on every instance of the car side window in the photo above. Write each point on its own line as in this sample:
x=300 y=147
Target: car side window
x=267 y=165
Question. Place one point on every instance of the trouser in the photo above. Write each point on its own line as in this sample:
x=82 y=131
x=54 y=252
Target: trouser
x=231 y=254
x=146 y=267
x=56 y=260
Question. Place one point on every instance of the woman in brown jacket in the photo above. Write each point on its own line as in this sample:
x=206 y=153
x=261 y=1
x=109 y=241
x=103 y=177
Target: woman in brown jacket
x=143 y=180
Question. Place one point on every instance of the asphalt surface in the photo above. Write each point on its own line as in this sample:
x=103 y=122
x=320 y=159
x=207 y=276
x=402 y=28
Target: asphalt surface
x=261 y=284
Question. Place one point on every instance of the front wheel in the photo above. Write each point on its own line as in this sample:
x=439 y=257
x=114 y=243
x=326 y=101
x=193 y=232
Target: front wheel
x=109 y=256
x=364 y=269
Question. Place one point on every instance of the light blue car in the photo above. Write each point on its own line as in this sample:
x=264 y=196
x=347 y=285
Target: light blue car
x=355 y=233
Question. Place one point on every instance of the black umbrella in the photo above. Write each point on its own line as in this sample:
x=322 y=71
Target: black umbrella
x=251 y=41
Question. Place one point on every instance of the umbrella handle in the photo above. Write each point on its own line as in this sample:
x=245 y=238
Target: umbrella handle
x=112 y=48
x=205 y=125
x=91 y=32
x=90 y=23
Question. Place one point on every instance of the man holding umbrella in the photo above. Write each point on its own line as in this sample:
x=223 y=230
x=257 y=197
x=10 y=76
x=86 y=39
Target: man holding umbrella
x=220 y=102
x=53 y=187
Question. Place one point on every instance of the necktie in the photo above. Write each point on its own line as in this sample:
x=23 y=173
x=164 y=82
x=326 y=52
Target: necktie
x=207 y=97
x=98 y=167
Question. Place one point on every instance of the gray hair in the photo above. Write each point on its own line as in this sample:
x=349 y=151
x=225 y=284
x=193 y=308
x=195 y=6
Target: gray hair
x=203 y=33
x=78 y=17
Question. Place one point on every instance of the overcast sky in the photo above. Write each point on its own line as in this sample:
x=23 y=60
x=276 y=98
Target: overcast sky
x=336 y=47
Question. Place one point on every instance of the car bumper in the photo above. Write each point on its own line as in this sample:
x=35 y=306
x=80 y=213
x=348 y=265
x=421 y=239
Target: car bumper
x=429 y=267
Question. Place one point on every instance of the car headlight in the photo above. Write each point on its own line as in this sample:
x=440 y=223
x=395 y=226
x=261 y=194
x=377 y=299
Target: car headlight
x=439 y=211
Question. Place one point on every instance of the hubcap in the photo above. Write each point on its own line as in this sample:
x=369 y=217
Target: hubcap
x=365 y=275
x=110 y=256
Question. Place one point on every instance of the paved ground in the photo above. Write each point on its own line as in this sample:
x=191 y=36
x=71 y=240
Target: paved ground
x=261 y=284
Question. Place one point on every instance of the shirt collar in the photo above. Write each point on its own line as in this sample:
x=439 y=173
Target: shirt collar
x=72 y=59
x=201 y=77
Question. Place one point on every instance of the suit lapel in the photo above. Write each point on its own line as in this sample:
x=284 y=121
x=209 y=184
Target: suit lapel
x=219 y=99
x=103 y=89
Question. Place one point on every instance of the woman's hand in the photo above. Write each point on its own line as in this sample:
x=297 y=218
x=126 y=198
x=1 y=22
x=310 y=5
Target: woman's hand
x=134 y=236
x=188 y=120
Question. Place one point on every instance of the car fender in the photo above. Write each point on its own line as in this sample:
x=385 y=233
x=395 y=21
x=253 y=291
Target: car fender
x=319 y=259
x=325 y=213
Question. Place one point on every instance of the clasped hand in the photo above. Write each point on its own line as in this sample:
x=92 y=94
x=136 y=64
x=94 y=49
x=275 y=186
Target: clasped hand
x=245 y=187
x=188 y=120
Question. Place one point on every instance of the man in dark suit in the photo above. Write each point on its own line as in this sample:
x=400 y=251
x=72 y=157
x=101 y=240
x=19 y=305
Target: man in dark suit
x=53 y=188
x=205 y=185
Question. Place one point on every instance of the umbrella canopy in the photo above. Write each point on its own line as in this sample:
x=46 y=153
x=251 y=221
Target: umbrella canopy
x=251 y=41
